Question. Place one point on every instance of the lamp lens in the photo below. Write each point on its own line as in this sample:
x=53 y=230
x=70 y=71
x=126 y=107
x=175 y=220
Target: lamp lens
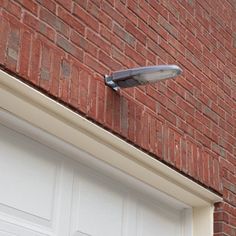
x=150 y=77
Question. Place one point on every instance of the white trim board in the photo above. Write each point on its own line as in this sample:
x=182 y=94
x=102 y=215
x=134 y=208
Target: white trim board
x=39 y=110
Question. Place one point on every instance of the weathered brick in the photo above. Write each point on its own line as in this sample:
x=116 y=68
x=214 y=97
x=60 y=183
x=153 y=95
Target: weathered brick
x=108 y=61
x=69 y=47
x=148 y=101
x=92 y=94
x=138 y=58
x=25 y=51
x=29 y=5
x=210 y=114
x=95 y=65
x=50 y=5
x=132 y=29
x=56 y=63
x=168 y=27
x=84 y=44
x=83 y=90
x=65 y=69
x=71 y=21
x=85 y=17
x=128 y=38
x=98 y=41
x=13 y=46
x=12 y=8
x=106 y=7
x=54 y=21
x=38 y=25
x=35 y=60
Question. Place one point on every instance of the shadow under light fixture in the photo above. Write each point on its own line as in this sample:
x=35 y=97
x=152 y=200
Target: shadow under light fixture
x=140 y=76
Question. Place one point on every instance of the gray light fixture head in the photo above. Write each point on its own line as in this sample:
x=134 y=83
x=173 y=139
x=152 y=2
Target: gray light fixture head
x=140 y=76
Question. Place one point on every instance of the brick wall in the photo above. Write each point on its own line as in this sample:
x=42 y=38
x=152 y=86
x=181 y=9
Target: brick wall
x=64 y=47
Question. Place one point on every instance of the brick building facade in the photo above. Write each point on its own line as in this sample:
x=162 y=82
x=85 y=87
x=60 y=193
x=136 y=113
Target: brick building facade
x=64 y=48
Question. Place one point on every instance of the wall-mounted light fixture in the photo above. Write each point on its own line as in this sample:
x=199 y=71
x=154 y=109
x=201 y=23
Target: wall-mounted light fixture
x=140 y=76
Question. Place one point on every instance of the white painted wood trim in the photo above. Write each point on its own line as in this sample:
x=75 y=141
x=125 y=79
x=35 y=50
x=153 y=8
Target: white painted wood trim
x=39 y=110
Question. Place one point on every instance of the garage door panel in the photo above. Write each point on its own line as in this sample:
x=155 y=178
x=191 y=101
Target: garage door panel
x=152 y=219
x=20 y=216
x=27 y=175
x=97 y=203
x=10 y=229
x=4 y=233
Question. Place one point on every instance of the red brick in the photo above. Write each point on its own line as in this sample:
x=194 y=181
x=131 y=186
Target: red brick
x=45 y=67
x=202 y=139
x=157 y=50
x=98 y=41
x=4 y=33
x=148 y=101
x=95 y=65
x=84 y=44
x=124 y=116
x=176 y=88
x=55 y=77
x=12 y=8
x=150 y=56
x=144 y=131
x=138 y=58
x=40 y=26
x=120 y=32
x=116 y=113
x=67 y=4
x=148 y=31
x=116 y=16
x=54 y=21
x=85 y=17
x=185 y=127
x=177 y=149
x=132 y=29
x=29 y=5
x=171 y=146
x=131 y=121
x=13 y=46
x=92 y=95
x=134 y=7
x=168 y=27
x=83 y=90
x=111 y=37
x=126 y=12
x=25 y=51
x=184 y=161
x=160 y=31
x=109 y=62
x=50 y=5
x=35 y=61
x=185 y=106
x=71 y=20
x=109 y=106
x=167 y=115
x=69 y=47
x=189 y=157
x=119 y=56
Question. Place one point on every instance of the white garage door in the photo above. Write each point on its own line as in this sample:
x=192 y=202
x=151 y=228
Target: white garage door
x=44 y=192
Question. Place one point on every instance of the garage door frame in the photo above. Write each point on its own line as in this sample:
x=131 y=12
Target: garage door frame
x=39 y=110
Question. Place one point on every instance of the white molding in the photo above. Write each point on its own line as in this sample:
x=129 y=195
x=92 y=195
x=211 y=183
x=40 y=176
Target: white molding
x=39 y=110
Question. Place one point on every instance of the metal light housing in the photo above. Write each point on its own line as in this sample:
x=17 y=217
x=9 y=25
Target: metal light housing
x=140 y=76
